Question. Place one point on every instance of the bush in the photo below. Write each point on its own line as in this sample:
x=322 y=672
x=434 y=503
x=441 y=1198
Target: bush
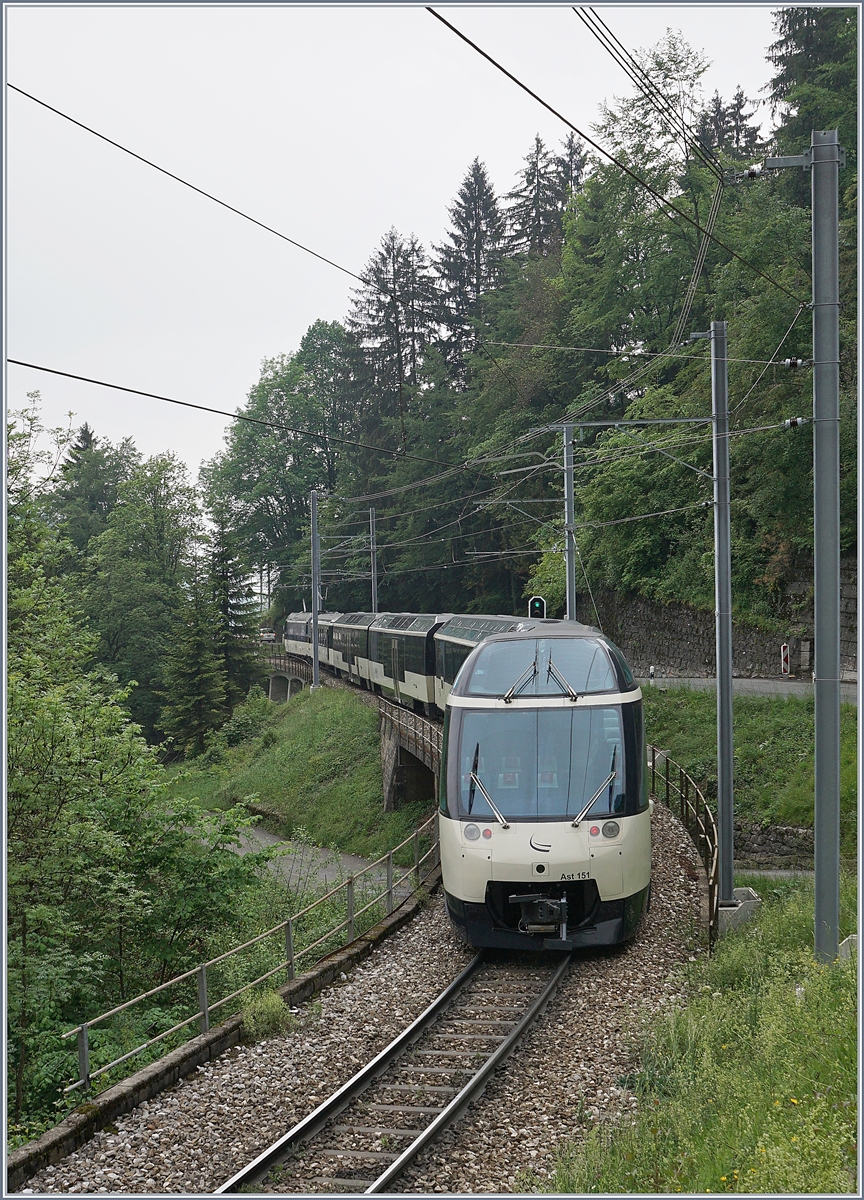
x=248 y=718
x=265 y=1014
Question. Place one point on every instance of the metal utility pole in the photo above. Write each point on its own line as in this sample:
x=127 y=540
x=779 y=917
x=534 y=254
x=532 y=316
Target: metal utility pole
x=722 y=608
x=569 y=520
x=824 y=159
x=374 y=560
x=316 y=578
x=825 y=156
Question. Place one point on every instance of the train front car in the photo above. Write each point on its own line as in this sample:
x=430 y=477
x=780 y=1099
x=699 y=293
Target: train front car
x=545 y=818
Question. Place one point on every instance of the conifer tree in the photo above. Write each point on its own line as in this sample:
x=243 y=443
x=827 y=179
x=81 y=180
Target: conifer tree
x=469 y=265
x=235 y=630
x=86 y=491
x=194 y=688
x=392 y=316
x=570 y=169
x=534 y=212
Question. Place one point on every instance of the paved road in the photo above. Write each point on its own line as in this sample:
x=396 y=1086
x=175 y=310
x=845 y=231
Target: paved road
x=303 y=867
x=754 y=687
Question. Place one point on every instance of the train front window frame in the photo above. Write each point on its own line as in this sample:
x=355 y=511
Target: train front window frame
x=585 y=663
x=539 y=764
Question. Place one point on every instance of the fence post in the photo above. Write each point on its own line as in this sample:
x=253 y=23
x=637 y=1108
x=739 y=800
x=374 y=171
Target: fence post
x=685 y=794
x=681 y=788
x=389 y=882
x=202 y=998
x=350 y=908
x=416 y=857
x=436 y=857
x=289 y=948
x=666 y=761
x=653 y=770
x=83 y=1056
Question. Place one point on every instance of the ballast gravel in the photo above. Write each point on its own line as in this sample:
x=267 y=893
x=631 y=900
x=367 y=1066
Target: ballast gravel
x=567 y=1073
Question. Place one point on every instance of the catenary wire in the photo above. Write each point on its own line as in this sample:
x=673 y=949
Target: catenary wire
x=646 y=85
x=631 y=353
x=773 y=361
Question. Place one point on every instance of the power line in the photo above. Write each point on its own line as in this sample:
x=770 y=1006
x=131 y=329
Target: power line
x=221 y=412
x=193 y=187
x=657 y=196
x=622 y=354
x=643 y=81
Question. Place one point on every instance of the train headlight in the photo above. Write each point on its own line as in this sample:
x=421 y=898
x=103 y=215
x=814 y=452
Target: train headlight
x=611 y=829
x=471 y=832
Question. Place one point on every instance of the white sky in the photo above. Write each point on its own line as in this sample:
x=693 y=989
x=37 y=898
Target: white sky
x=330 y=123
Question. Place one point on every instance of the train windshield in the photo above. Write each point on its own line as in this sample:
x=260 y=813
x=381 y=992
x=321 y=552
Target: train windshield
x=541 y=667
x=540 y=764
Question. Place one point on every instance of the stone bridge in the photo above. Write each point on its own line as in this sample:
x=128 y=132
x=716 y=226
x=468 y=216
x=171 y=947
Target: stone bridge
x=410 y=743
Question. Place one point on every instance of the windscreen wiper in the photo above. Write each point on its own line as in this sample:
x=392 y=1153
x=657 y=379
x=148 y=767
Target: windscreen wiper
x=475 y=782
x=527 y=674
x=596 y=796
x=559 y=678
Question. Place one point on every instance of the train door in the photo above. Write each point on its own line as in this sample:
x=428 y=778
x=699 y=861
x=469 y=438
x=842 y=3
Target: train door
x=394 y=656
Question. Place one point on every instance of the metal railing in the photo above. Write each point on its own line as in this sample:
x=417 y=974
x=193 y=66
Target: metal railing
x=422 y=867
x=697 y=819
x=417 y=734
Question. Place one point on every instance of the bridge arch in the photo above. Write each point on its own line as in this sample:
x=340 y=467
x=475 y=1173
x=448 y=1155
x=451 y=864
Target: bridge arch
x=283 y=687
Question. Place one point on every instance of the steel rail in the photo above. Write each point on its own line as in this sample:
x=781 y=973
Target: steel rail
x=318 y=1118
x=472 y=1089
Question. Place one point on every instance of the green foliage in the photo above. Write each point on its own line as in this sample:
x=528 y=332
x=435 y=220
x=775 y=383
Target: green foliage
x=322 y=775
x=109 y=889
x=750 y=1085
x=194 y=687
x=135 y=575
x=773 y=742
x=265 y=1014
x=249 y=718
x=235 y=628
x=87 y=489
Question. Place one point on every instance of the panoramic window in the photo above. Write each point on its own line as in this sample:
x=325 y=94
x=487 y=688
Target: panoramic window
x=583 y=663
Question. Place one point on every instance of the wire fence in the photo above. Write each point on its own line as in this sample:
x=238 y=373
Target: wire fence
x=331 y=921
x=682 y=794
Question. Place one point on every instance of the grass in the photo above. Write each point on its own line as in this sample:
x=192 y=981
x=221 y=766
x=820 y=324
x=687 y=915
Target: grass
x=750 y=1086
x=773 y=739
x=314 y=764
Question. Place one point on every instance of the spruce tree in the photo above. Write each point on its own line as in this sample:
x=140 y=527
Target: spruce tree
x=235 y=631
x=86 y=491
x=392 y=318
x=570 y=169
x=194 y=677
x=469 y=265
x=534 y=215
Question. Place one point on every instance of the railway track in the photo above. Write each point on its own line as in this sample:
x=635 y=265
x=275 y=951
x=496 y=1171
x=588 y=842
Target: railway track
x=365 y=1135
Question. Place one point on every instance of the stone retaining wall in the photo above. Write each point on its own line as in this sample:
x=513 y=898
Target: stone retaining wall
x=772 y=847
x=679 y=640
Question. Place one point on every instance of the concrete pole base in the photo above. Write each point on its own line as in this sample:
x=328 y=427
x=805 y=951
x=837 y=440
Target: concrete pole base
x=746 y=904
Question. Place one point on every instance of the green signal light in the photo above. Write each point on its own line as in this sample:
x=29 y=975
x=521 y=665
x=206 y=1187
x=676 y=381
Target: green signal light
x=537 y=608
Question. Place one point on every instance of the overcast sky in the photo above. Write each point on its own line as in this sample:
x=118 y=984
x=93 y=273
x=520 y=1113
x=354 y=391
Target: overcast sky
x=330 y=123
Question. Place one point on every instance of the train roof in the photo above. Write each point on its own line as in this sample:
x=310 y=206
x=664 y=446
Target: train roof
x=498 y=661
x=358 y=619
x=409 y=622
